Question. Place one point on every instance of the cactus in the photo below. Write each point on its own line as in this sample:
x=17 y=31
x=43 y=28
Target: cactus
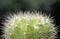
x=29 y=25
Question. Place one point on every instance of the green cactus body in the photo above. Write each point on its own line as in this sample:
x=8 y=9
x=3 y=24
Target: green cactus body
x=29 y=26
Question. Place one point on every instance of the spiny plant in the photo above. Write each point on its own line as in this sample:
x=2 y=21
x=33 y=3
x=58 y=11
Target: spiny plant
x=29 y=25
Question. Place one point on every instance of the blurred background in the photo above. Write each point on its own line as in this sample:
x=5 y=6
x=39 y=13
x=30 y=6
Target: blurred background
x=51 y=7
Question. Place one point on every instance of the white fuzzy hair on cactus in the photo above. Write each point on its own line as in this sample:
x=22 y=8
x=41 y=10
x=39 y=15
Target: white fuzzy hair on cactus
x=29 y=25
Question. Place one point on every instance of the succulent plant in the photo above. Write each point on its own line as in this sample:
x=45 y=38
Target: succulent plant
x=29 y=25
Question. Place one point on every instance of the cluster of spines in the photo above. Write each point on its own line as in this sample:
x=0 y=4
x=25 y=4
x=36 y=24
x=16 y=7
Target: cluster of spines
x=29 y=26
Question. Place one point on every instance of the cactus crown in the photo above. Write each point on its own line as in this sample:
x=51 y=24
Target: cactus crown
x=29 y=26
